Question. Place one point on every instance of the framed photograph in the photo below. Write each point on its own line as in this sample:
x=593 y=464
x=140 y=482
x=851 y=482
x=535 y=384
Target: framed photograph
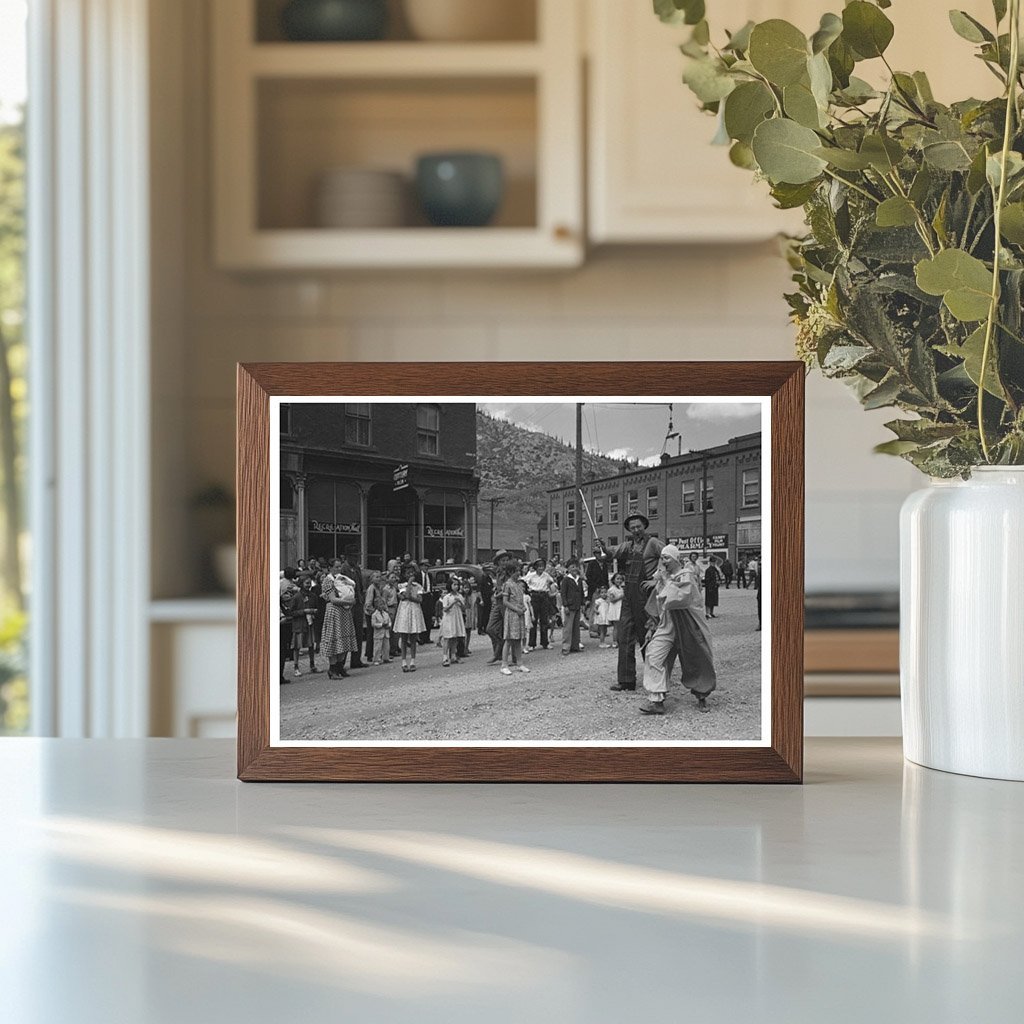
x=506 y=572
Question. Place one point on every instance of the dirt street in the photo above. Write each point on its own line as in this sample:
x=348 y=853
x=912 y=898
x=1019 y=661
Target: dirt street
x=562 y=698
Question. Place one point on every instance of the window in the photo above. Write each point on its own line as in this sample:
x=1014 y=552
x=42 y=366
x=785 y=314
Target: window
x=707 y=500
x=751 y=488
x=556 y=520
x=357 y=424
x=570 y=515
x=632 y=502
x=599 y=510
x=689 y=498
x=428 y=429
x=613 y=508
x=613 y=541
x=652 y=502
x=556 y=549
x=573 y=553
x=287 y=494
x=14 y=401
x=286 y=419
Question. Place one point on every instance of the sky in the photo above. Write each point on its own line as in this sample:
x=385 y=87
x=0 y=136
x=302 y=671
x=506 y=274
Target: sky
x=12 y=56
x=634 y=431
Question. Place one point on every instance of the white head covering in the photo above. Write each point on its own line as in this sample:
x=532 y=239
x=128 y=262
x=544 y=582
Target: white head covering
x=671 y=551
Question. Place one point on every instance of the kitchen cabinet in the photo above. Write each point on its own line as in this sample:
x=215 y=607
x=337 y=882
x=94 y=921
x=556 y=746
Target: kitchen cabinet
x=287 y=113
x=653 y=175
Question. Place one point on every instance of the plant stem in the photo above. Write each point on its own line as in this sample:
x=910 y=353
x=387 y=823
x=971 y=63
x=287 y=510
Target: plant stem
x=993 y=309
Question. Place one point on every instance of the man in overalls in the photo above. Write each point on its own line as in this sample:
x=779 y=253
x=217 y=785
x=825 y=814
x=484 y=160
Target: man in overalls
x=637 y=560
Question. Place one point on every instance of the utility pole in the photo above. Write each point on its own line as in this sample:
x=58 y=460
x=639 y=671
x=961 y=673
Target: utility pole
x=704 y=505
x=579 y=478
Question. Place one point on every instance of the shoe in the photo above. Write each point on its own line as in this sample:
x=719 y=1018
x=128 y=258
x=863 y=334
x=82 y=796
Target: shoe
x=523 y=668
x=298 y=671
x=342 y=674
x=653 y=707
x=445 y=662
x=565 y=654
x=493 y=661
x=412 y=668
x=622 y=688
x=405 y=668
x=505 y=670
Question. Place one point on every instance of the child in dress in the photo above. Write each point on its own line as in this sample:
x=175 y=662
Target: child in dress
x=453 y=620
x=472 y=595
x=409 y=619
x=615 y=594
x=515 y=623
x=601 y=616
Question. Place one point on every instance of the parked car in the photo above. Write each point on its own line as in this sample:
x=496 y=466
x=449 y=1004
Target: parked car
x=439 y=574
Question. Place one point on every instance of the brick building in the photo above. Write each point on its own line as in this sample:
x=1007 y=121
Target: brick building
x=672 y=496
x=340 y=491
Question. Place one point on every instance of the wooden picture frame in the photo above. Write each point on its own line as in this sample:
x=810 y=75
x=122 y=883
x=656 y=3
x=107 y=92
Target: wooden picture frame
x=779 y=759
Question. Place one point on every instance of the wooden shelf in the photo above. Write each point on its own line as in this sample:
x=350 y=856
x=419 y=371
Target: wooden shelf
x=401 y=247
x=393 y=60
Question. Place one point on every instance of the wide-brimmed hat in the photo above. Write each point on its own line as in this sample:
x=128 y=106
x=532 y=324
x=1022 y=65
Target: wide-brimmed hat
x=636 y=515
x=503 y=553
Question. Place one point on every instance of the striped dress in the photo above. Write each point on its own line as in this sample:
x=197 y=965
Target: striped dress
x=339 y=631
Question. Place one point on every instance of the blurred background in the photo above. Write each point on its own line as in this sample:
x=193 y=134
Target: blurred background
x=248 y=180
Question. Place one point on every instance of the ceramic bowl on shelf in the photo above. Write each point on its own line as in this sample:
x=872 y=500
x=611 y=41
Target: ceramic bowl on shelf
x=460 y=189
x=361 y=198
x=332 y=21
x=470 y=20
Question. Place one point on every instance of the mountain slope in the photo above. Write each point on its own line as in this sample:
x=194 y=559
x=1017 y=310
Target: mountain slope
x=519 y=466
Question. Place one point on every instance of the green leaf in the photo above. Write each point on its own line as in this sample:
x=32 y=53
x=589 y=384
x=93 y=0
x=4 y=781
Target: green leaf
x=968 y=28
x=841 y=60
x=976 y=174
x=896 y=212
x=999 y=7
x=844 y=159
x=946 y=156
x=829 y=30
x=885 y=394
x=679 y=12
x=971 y=352
x=1012 y=224
x=800 y=105
x=820 y=76
x=785 y=152
x=923 y=431
x=963 y=281
x=789 y=197
x=883 y=153
x=778 y=50
x=707 y=80
x=924 y=87
x=1014 y=169
x=701 y=33
x=745 y=108
x=921 y=185
x=866 y=29
x=739 y=41
x=895 y=447
x=742 y=155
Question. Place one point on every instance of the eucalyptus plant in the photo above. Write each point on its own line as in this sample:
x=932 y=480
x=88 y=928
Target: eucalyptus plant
x=910 y=278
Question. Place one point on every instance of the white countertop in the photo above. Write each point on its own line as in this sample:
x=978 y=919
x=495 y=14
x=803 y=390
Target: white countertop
x=142 y=884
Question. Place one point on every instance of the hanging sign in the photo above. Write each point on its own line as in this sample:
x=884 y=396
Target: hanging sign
x=317 y=526
x=401 y=477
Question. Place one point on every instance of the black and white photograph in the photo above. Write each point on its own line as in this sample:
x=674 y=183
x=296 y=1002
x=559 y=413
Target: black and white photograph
x=538 y=571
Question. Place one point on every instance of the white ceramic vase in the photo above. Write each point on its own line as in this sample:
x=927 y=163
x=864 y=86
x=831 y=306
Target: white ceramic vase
x=962 y=624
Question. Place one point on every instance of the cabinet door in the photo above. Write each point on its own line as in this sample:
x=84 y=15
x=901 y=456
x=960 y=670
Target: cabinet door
x=654 y=175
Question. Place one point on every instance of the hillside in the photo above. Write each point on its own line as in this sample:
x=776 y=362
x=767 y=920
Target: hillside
x=520 y=466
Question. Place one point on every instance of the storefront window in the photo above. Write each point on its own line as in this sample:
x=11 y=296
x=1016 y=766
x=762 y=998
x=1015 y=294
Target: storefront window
x=751 y=488
x=428 y=429
x=444 y=527
x=357 y=424
x=332 y=518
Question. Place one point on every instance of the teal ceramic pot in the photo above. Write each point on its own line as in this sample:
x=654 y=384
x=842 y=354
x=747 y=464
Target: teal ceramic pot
x=460 y=189
x=332 y=21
